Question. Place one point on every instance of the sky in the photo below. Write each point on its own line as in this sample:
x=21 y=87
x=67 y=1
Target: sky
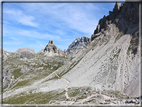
x=32 y=25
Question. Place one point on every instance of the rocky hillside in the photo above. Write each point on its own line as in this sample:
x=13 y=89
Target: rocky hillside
x=113 y=63
x=77 y=45
x=103 y=71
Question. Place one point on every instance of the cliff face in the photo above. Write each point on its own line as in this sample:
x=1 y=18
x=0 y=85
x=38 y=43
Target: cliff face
x=77 y=45
x=125 y=17
x=125 y=20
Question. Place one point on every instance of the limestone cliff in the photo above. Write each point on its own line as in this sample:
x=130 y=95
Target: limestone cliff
x=77 y=45
x=125 y=20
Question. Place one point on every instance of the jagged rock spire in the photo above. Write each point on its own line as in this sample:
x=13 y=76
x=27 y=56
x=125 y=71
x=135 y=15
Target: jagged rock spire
x=116 y=7
x=51 y=42
x=51 y=47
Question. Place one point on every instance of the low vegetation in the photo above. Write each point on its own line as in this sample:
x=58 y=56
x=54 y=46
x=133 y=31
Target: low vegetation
x=34 y=98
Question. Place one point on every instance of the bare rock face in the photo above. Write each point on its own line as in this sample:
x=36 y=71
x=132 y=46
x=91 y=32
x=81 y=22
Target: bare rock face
x=51 y=50
x=77 y=45
x=51 y=47
x=121 y=24
x=124 y=17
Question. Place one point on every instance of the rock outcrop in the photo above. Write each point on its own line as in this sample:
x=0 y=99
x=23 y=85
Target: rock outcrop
x=50 y=47
x=77 y=45
x=51 y=50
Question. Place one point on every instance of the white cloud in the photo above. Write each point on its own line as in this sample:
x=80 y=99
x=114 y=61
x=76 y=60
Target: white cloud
x=28 y=20
x=14 y=38
x=37 y=35
x=20 y=17
x=76 y=16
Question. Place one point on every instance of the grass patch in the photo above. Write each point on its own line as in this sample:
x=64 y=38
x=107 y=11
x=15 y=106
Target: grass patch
x=91 y=101
x=17 y=73
x=117 y=54
x=79 y=91
x=34 y=98
x=116 y=94
x=129 y=49
x=22 y=83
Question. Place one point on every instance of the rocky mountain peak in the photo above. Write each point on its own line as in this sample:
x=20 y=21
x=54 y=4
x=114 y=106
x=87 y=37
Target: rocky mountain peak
x=77 y=45
x=50 y=47
x=117 y=7
x=51 y=42
x=124 y=17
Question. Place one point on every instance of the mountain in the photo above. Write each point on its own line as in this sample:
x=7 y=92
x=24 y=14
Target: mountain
x=25 y=49
x=3 y=52
x=103 y=70
x=77 y=45
x=125 y=19
x=113 y=61
x=51 y=50
x=51 y=47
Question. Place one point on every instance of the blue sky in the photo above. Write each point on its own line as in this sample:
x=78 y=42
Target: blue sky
x=32 y=25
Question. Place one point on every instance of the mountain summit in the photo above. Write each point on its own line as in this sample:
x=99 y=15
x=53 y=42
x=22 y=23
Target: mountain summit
x=52 y=50
x=51 y=47
x=77 y=45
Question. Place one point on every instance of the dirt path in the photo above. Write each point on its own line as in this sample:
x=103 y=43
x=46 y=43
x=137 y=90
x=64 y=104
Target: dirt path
x=66 y=89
